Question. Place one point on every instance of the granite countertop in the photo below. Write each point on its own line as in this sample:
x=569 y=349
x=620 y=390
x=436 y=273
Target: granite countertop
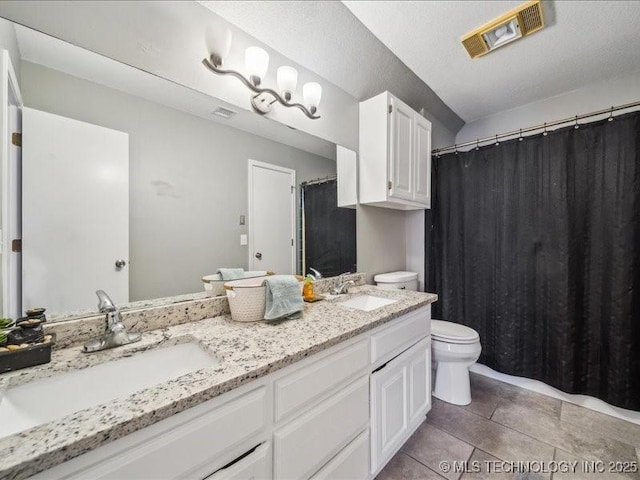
x=246 y=351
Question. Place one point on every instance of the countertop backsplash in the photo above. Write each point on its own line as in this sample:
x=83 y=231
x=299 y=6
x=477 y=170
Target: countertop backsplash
x=153 y=317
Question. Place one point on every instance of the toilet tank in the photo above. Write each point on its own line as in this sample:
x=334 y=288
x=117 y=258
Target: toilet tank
x=398 y=280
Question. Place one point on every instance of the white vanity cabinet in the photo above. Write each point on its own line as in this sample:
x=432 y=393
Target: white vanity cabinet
x=400 y=384
x=400 y=399
x=323 y=405
x=191 y=444
x=341 y=413
x=395 y=155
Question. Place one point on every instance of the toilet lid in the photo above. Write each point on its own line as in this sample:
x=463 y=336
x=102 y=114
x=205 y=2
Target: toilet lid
x=395 y=277
x=453 y=332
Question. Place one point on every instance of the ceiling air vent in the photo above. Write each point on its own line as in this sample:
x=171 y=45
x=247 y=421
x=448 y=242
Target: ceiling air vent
x=531 y=18
x=475 y=46
x=224 y=112
x=511 y=26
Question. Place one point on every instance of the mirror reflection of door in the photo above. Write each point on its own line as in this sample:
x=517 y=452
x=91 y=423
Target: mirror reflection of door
x=11 y=157
x=75 y=210
x=272 y=220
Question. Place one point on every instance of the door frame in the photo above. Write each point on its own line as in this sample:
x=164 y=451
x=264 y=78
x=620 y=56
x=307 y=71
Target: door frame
x=9 y=95
x=292 y=175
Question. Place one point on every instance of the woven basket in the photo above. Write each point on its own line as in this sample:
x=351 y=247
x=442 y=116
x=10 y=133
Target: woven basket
x=214 y=284
x=248 y=298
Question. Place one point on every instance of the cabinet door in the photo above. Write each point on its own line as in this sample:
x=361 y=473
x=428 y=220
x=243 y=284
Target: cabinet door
x=389 y=411
x=401 y=150
x=419 y=365
x=422 y=172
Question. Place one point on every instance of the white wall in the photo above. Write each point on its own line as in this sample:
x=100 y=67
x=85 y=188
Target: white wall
x=188 y=179
x=391 y=240
x=583 y=100
x=381 y=240
x=9 y=42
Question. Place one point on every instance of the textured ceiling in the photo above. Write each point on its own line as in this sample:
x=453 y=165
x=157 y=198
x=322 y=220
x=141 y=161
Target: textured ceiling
x=327 y=39
x=585 y=42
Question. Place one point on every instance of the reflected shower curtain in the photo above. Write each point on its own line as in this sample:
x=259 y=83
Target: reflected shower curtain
x=536 y=245
x=329 y=231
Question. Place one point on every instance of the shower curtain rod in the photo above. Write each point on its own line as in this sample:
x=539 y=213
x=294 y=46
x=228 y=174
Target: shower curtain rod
x=319 y=180
x=520 y=131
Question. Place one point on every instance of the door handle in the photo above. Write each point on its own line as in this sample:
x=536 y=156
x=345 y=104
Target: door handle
x=120 y=264
x=259 y=256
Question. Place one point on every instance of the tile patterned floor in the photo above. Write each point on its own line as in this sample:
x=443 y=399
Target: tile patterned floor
x=505 y=423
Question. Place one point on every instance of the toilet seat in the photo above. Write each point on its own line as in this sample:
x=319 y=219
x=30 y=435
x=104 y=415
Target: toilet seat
x=449 y=332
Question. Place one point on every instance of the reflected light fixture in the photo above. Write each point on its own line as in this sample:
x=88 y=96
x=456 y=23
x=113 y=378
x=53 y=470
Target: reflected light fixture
x=218 y=39
x=515 y=24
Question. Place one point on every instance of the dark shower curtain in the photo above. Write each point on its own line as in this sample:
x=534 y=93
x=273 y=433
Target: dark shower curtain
x=536 y=245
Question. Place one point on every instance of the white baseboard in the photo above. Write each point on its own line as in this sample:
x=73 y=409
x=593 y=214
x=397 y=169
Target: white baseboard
x=540 y=387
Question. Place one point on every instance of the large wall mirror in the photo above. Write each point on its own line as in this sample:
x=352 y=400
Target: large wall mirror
x=136 y=185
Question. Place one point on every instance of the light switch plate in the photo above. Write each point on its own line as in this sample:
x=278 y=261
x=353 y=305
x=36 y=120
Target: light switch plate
x=243 y=239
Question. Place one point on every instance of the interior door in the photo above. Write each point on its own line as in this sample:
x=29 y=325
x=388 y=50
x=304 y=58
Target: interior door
x=10 y=124
x=422 y=191
x=401 y=160
x=272 y=219
x=75 y=213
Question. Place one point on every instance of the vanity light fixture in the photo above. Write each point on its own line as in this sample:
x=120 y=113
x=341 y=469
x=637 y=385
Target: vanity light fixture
x=218 y=39
x=515 y=24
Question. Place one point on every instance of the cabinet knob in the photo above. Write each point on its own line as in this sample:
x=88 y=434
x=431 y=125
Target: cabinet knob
x=120 y=264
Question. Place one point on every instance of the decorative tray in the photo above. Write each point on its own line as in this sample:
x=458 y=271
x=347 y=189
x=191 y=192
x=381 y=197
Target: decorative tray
x=29 y=356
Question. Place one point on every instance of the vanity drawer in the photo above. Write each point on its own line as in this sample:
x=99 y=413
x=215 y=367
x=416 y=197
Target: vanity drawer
x=202 y=443
x=350 y=463
x=308 y=384
x=254 y=466
x=308 y=442
x=403 y=333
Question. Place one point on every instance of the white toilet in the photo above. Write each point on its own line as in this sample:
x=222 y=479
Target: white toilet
x=454 y=349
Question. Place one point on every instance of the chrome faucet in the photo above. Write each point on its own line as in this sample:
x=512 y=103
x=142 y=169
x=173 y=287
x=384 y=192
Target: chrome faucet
x=315 y=274
x=343 y=287
x=115 y=333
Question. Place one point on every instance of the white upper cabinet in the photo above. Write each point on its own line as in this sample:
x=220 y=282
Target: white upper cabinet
x=395 y=155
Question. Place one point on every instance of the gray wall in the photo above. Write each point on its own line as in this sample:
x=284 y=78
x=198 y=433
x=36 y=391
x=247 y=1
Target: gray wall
x=591 y=98
x=188 y=179
x=167 y=38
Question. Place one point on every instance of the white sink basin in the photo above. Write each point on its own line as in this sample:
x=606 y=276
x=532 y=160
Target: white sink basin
x=47 y=399
x=366 y=303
